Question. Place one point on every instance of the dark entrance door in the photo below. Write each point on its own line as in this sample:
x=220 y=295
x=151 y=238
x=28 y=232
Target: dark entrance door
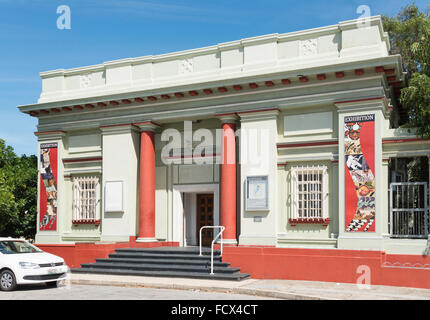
x=205 y=217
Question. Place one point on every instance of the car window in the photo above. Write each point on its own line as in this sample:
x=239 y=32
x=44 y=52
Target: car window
x=14 y=246
x=4 y=248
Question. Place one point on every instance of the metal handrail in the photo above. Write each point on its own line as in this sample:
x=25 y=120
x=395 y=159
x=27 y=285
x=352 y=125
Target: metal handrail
x=222 y=228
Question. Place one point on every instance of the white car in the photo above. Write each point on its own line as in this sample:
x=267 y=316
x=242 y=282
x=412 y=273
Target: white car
x=23 y=263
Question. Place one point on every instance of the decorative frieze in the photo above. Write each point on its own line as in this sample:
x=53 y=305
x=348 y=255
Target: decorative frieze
x=85 y=80
x=186 y=66
x=308 y=47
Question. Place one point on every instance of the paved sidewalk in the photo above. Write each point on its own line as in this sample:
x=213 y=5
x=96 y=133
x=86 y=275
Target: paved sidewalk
x=280 y=289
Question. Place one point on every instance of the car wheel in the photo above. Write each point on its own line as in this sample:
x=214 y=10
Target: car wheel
x=52 y=284
x=7 y=281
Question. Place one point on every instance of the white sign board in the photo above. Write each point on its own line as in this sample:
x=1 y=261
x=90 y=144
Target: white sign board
x=114 y=196
x=257 y=193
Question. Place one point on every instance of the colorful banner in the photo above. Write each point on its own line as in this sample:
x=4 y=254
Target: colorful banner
x=48 y=187
x=359 y=173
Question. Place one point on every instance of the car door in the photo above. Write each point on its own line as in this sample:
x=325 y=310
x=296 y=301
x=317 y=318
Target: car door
x=2 y=260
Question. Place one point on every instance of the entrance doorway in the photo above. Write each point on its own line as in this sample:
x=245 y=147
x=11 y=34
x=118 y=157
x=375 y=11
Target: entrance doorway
x=205 y=217
x=194 y=206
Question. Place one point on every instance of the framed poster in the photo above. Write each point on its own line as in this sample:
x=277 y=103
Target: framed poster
x=114 y=196
x=48 y=186
x=257 y=193
x=359 y=151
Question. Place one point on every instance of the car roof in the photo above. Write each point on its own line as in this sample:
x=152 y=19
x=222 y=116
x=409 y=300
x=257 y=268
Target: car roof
x=11 y=239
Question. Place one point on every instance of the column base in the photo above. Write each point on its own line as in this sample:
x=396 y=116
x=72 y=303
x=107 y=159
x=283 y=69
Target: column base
x=146 y=240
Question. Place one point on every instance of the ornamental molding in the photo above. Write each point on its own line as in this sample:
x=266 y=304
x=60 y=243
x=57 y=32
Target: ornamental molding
x=308 y=47
x=186 y=66
x=85 y=80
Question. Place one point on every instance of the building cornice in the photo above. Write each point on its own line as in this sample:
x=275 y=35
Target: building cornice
x=287 y=81
x=274 y=37
x=277 y=72
x=206 y=111
x=172 y=75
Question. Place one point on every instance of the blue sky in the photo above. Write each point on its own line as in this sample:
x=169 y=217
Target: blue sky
x=104 y=30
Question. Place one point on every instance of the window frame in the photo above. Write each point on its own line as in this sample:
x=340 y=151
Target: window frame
x=295 y=216
x=92 y=200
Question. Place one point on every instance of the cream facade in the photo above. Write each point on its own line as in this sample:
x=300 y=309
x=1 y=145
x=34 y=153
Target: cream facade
x=289 y=95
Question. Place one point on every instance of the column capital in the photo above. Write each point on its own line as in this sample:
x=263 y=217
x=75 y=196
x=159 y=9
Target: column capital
x=50 y=135
x=147 y=125
x=365 y=104
x=227 y=117
x=259 y=114
x=117 y=128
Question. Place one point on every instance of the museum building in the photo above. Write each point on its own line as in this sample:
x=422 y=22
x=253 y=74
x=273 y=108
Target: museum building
x=291 y=142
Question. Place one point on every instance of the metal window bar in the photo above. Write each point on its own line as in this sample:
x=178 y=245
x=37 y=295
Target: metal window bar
x=308 y=191
x=408 y=210
x=75 y=199
x=85 y=198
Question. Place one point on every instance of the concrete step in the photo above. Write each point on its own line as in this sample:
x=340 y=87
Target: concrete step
x=112 y=259
x=171 y=250
x=159 y=267
x=163 y=261
x=171 y=274
x=155 y=255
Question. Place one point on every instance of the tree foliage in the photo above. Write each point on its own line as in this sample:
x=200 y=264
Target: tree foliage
x=406 y=30
x=410 y=36
x=416 y=98
x=18 y=193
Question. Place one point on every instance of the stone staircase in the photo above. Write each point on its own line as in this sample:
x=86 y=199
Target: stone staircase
x=164 y=262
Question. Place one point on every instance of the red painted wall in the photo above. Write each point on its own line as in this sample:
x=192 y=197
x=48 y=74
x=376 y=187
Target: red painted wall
x=76 y=254
x=331 y=265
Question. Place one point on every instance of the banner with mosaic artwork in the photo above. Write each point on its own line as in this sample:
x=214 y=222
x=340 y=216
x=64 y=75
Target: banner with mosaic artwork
x=48 y=187
x=359 y=173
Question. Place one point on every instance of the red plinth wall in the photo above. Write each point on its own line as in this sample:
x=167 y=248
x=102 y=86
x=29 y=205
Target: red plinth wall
x=76 y=254
x=330 y=265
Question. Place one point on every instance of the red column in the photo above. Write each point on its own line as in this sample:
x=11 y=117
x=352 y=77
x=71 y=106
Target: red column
x=228 y=182
x=147 y=186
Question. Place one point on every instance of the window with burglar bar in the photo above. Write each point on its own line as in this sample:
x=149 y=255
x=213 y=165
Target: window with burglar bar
x=85 y=199
x=309 y=192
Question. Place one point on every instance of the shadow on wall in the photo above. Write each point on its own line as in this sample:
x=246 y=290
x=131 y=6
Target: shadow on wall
x=426 y=251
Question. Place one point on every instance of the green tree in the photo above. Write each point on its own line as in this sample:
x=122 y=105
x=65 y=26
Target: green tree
x=406 y=30
x=416 y=97
x=18 y=193
x=410 y=36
